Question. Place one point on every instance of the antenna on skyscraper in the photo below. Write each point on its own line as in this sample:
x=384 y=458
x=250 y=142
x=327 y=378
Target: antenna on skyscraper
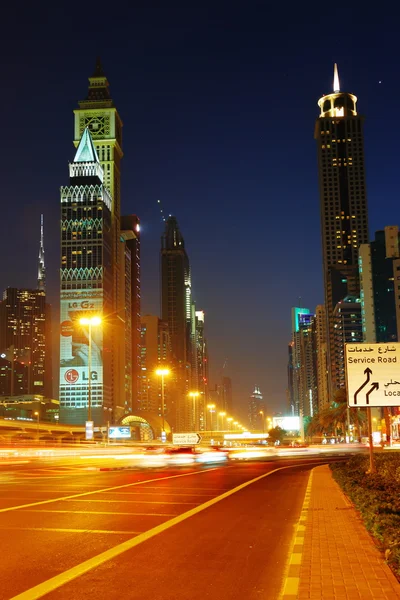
x=161 y=210
x=41 y=267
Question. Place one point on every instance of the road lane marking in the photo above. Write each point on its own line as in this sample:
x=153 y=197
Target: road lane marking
x=57 y=581
x=117 y=487
x=291 y=581
x=60 y=530
x=103 y=500
x=98 y=512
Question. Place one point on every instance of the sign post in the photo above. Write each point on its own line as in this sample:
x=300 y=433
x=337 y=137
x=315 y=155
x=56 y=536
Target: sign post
x=373 y=379
x=186 y=438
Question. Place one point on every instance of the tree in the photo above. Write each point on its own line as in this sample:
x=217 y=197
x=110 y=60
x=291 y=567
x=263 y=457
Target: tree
x=276 y=434
x=333 y=419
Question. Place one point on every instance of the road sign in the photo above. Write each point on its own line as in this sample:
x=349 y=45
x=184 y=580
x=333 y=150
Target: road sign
x=186 y=438
x=89 y=429
x=115 y=433
x=373 y=374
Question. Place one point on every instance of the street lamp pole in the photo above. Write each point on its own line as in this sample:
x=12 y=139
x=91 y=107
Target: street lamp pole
x=89 y=322
x=161 y=373
x=262 y=417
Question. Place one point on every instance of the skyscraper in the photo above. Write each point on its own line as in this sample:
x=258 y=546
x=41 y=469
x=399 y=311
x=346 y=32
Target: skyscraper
x=131 y=224
x=321 y=356
x=87 y=289
x=177 y=311
x=23 y=332
x=176 y=300
x=25 y=337
x=155 y=352
x=41 y=267
x=256 y=405
x=303 y=356
x=347 y=329
x=380 y=286
x=343 y=200
x=202 y=372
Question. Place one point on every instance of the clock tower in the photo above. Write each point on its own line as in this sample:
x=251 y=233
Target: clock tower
x=97 y=114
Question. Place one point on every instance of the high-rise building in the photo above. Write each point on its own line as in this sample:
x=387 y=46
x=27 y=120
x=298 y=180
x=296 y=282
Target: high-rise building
x=94 y=278
x=202 y=373
x=227 y=395
x=23 y=367
x=177 y=311
x=347 y=329
x=87 y=289
x=343 y=200
x=41 y=268
x=290 y=375
x=380 y=286
x=305 y=388
x=130 y=230
x=25 y=337
x=256 y=410
x=321 y=357
x=155 y=352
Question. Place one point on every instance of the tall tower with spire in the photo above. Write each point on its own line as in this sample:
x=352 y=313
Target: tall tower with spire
x=177 y=309
x=41 y=267
x=87 y=280
x=343 y=201
x=98 y=114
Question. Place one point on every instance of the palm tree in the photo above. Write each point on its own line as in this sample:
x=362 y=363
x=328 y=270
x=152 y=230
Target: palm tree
x=336 y=416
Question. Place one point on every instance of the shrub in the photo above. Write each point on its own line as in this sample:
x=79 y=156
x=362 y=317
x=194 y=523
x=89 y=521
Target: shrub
x=377 y=497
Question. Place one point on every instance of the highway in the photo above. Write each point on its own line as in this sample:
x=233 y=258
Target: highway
x=70 y=530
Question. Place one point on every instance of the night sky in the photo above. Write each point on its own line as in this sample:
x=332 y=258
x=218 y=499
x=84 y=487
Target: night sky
x=218 y=101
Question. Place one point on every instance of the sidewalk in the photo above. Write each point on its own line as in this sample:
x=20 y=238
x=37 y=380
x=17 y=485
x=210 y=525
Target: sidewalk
x=339 y=559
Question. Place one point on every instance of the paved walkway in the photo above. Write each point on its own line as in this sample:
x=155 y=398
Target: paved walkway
x=333 y=556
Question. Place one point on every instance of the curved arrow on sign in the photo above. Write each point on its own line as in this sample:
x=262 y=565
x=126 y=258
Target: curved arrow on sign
x=368 y=373
x=375 y=386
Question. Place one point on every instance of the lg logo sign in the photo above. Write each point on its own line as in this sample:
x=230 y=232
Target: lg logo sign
x=71 y=376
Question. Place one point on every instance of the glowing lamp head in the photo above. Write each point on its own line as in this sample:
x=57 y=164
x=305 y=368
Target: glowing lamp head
x=162 y=372
x=90 y=321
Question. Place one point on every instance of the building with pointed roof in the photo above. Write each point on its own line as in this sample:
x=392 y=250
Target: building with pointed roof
x=343 y=201
x=98 y=272
x=87 y=281
x=256 y=410
x=41 y=267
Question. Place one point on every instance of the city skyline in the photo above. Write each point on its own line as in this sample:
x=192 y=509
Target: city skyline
x=243 y=187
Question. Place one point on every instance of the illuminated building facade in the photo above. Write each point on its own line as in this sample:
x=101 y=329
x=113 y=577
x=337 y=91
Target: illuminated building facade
x=87 y=289
x=177 y=311
x=95 y=278
x=23 y=325
x=256 y=404
x=130 y=232
x=347 y=328
x=380 y=286
x=343 y=201
x=156 y=352
x=321 y=356
x=304 y=371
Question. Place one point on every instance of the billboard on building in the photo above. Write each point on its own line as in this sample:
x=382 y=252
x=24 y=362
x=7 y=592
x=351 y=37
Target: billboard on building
x=74 y=349
x=287 y=423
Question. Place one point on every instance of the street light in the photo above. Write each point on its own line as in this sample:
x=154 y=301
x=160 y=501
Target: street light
x=162 y=373
x=262 y=417
x=90 y=322
x=194 y=395
x=230 y=419
x=211 y=409
x=222 y=415
x=37 y=414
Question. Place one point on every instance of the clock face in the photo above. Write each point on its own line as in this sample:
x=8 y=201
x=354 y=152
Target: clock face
x=95 y=125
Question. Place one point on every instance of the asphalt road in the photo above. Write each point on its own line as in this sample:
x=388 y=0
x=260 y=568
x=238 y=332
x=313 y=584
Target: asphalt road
x=189 y=533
